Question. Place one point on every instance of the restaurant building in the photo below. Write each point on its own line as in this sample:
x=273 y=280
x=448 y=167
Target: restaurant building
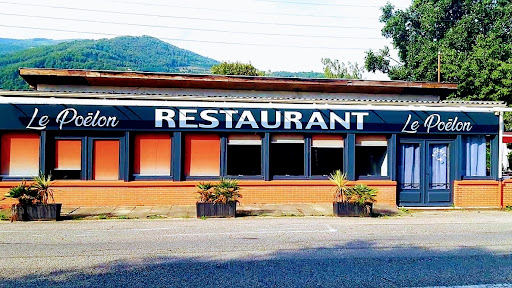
x=132 y=138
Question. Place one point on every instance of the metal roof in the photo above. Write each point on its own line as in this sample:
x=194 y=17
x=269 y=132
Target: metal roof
x=249 y=99
x=37 y=76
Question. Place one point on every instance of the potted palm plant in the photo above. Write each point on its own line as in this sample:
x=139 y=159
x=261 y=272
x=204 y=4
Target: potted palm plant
x=33 y=200
x=363 y=197
x=351 y=201
x=218 y=200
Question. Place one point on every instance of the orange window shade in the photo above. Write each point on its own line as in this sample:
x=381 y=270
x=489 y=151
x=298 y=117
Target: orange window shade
x=152 y=155
x=106 y=160
x=68 y=154
x=20 y=154
x=327 y=141
x=202 y=155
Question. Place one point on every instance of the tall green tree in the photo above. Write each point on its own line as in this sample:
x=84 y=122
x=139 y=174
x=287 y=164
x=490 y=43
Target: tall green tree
x=474 y=39
x=333 y=68
x=236 y=68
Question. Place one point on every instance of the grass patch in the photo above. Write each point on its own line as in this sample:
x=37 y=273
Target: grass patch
x=404 y=210
x=122 y=217
x=4 y=215
x=102 y=216
x=155 y=216
x=291 y=215
x=508 y=208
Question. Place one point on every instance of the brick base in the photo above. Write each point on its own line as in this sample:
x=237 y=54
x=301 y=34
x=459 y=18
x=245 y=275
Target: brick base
x=149 y=193
x=477 y=193
x=507 y=192
x=467 y=193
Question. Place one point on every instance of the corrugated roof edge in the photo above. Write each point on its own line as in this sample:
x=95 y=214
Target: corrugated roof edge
x=35 y=76
x=230 y=98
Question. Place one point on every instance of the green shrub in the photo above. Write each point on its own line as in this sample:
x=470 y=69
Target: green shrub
x=226 y=191
x=362 y=194
x=26 y=194
x=38 y=193
x=205 y=191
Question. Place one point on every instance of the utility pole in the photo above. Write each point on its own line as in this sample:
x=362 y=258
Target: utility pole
x=438 y=66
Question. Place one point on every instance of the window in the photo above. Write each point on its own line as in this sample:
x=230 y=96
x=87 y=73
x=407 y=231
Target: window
x=105 y=160
x=20 y=154
x=410 y=166
x=202 y=155
x=152 y=155
x=244 y=155
x=477 y=160
x=68 y=159
x=287 y=155
x=371 y=155
x=326 y=154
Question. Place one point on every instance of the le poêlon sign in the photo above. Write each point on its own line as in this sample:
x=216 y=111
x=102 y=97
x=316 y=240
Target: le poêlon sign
x=143 y=118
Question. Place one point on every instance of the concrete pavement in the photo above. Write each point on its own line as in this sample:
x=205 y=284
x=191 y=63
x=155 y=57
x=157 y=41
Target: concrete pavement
x=188 y=211
x=432 y=248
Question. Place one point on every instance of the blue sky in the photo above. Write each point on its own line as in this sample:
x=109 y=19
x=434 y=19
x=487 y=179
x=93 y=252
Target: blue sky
x=275 y=35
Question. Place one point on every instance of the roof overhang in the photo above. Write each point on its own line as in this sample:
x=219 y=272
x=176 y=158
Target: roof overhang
x=38 y=76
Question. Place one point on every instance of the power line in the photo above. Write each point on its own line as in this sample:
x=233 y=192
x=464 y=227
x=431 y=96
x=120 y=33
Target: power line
x=325 y=4
x=244 y=11
x=191 y=28
x=189 y=40
x=192 y=18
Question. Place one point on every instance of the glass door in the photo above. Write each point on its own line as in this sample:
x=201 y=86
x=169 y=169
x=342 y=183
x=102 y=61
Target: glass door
x=425 y=177
x=438 y=188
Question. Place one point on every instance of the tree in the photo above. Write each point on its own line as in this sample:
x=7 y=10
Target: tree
x=474 y=38
x=236 y=68
x=337 y=69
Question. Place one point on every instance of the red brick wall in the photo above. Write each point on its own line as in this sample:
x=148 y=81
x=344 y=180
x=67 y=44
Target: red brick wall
x=117 y=193
x=467 y=193
x=477 y=193
x=507 y=193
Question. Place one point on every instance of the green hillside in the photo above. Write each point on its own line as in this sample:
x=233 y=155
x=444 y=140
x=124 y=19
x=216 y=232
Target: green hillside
x=13 y=45
x=297 y=74
x=122 y=53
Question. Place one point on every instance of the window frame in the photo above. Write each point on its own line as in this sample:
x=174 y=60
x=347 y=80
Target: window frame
x=222 y=158
x=90 y=154
x=83 y=164
x=131 y=163
x=224 y=151
x=493 y=175
x=42 y=139
x=310 y=159
x=388 y=155
x=306 y=160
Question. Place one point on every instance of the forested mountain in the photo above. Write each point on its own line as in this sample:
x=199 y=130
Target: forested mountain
x=122 y=53
x=13 y=45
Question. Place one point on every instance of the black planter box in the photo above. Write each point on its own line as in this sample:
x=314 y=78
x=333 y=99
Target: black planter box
x=38 y=212
x=351 y=209
x=216 y=209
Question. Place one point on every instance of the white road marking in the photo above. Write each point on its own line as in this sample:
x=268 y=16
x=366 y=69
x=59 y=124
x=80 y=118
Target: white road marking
x=331 y=230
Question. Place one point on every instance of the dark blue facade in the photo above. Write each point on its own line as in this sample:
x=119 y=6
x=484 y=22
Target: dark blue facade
x=88 y=122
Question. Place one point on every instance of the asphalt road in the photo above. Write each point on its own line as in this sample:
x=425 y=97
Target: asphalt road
x=425 y=249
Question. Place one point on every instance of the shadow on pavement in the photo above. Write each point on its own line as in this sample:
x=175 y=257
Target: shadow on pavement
x=355 y=264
